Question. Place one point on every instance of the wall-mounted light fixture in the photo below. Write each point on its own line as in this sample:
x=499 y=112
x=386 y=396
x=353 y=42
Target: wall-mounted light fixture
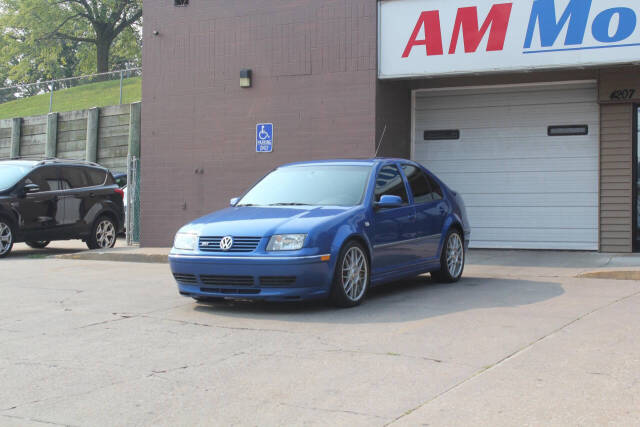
x=245 y=78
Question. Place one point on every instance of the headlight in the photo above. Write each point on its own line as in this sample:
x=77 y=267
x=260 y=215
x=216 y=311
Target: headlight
x=286 y=242
x=186 y=241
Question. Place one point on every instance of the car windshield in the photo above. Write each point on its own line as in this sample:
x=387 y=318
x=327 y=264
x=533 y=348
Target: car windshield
x=314 y=185
x=11 y=174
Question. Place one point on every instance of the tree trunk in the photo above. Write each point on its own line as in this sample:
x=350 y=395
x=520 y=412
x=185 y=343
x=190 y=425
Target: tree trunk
x=103 y=47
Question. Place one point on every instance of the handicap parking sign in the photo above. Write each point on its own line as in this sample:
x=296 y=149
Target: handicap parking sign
x=264 y=137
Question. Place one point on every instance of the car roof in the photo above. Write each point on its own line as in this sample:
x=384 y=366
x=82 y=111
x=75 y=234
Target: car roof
x=31 y=163
x=348 y=162
x=41 y=162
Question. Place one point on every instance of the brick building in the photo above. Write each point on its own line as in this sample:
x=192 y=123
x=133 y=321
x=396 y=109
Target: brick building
x=540 y=140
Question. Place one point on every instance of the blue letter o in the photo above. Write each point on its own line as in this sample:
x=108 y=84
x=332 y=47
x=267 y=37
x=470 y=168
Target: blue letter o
x=626 y=26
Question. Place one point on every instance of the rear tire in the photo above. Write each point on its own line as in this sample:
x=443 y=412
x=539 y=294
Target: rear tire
x=38 y=245
x=103 y=234
x=7 y=237
x=351 y=278
x=452 y=259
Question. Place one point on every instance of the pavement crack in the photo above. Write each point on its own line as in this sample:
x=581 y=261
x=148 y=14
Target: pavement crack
x=119 y=318
x=207 y=325
x=36 y=420
x=340 y=411
x=389 y=354
x=512 y=355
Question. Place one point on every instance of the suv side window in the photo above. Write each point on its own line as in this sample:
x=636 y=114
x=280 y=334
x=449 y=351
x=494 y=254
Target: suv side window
x=419 y=184
x=96 y=176
x=389 y=182
x=73 y=177
x=45 y=177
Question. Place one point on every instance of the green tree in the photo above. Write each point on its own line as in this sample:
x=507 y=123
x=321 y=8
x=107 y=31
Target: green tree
x=48 y=39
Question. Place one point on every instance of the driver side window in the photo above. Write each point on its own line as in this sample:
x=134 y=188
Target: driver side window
x=389 y=182
x=46 y=178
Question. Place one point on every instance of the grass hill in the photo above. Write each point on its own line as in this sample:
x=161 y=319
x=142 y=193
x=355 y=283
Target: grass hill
x=76 y=98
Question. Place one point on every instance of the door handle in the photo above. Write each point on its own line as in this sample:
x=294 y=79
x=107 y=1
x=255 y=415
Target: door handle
x=92 y=195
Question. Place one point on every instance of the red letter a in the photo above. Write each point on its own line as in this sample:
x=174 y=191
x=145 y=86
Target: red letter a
x=433 y=35
x=467 y=19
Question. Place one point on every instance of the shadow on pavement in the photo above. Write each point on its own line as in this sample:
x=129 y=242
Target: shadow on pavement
x=402 y=301
x=21 y=251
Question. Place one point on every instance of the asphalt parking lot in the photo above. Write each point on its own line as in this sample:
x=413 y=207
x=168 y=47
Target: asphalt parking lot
x=519 y=341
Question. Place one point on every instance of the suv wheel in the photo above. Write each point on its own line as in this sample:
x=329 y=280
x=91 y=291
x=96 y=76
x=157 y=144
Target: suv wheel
x=6 y=238
x=103 y=234
x=38 y=245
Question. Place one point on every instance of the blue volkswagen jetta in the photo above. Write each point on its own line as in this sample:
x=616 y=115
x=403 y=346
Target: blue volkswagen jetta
x=325 y=229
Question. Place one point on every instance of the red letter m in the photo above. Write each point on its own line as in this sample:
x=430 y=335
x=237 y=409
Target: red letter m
x=432 y=33
x=467 y=20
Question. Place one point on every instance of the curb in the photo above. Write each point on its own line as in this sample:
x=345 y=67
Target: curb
x=614 y=275
x=117 y=257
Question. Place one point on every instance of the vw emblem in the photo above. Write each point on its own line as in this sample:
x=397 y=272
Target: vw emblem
x=226 y=243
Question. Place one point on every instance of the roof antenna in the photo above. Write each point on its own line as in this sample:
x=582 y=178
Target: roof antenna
x=381 y=139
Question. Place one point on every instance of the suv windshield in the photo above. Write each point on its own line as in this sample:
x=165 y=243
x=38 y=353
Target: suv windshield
x=314 y=185
x=11 y=174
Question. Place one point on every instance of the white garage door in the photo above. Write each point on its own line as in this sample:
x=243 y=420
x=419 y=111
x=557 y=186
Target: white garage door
x=522 y=188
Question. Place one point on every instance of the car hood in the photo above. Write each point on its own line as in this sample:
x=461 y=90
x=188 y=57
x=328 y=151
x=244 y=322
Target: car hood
x=264 y=221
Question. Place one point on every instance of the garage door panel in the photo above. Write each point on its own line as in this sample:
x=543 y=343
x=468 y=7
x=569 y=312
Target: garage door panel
x=437 y=100
x=522 y=188
x=583 y=200
x=517 y=165
x=509 y=149
x=536 y=235
x=508 y=183
x=508 y=244
x=518 y=116
x=531 y=217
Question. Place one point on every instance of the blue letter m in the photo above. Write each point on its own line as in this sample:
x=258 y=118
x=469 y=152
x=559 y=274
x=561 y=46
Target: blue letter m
x=544 y=13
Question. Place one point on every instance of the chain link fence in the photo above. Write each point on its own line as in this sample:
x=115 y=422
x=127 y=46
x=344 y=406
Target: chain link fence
x=112 y=88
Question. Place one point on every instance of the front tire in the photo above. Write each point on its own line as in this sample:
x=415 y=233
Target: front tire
x=351 y=278
x=6 y=238
x=452 y=259
x=103 y=234
x=38 y=245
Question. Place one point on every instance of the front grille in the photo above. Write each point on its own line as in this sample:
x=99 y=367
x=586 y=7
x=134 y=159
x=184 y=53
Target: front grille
x=185 y=278
x=275 y=281
x=226 y=280
x=240 y=244
x=229 y=291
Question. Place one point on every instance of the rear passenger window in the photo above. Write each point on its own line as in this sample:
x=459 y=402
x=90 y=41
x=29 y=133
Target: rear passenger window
x=45 y=177
x=74 y=177
x=389 y=183
x=419 y=185
x=96 y=176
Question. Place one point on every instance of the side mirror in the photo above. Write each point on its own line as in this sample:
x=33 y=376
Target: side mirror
x=234 y=201
x=30 y=189
x=388 y=202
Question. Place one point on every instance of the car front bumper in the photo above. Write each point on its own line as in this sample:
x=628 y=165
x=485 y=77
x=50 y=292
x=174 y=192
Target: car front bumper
x=270 y=278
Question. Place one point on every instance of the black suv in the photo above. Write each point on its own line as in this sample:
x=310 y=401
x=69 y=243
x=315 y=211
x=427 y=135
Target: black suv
x=45 y=200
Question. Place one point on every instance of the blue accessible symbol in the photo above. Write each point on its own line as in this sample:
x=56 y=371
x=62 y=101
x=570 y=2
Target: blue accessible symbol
x=264 y=137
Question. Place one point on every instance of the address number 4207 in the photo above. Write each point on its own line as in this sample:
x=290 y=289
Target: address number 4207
x=622 y=94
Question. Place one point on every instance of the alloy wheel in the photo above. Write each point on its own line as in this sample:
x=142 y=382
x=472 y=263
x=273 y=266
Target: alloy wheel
x=105 y=234
x=355 y=273
x=455 y=255
x=6 y=238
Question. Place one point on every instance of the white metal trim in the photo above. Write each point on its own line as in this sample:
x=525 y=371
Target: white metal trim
x=509 y=85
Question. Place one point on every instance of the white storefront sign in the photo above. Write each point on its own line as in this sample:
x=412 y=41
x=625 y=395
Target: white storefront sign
x=440 y=37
